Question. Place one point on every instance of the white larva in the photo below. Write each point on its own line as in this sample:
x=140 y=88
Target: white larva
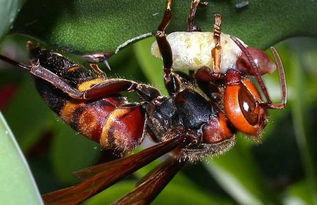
x=192 y=50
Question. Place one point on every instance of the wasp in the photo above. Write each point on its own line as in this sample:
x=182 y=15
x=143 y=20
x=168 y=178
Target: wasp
x=199 y=118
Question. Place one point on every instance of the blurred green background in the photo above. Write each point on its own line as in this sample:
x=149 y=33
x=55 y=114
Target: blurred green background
x=279 y=170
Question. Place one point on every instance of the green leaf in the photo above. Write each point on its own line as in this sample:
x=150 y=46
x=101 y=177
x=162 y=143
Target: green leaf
x=111 y=194
x=172 y=194
x=236 y=173
x=187 y=195
x=179 y=179
x=17 y=183
x=300 y=113
x=8 y=12
x=94 y=25
x=298 y=193
x=152 y=67
x=28 y=115
x=71 y=152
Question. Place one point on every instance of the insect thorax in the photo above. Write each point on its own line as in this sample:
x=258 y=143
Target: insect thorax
x=184 y=114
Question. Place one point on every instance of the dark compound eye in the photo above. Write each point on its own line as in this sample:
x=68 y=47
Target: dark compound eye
x=248 y=106
x=242 y=107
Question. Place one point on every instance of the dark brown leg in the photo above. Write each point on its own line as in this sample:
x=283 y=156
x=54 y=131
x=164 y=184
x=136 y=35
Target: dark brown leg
x=14 y=63
x=97 y=70
x=209 y=81
x=191 y=75
x=204 y=74
x=191 y=16
x=164 y=46
x=170 y=79
x=281 y=72
x=103 y=89
x=153 y=183
x=114 y=86
x=191 y=27
x=106 y=88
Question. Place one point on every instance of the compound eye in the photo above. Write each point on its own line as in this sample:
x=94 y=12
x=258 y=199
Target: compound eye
x=242 y=107
x=248 y=106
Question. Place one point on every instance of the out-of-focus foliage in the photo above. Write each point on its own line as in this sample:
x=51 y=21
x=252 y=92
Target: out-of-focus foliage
x=17 y=182
x=94 y=25
x=280 y=170
x=8 y=12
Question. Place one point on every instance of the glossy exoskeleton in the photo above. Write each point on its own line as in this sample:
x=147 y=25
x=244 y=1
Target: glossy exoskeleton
x=199 y=118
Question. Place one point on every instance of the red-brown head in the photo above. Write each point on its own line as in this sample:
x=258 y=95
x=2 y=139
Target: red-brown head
x=243 y=104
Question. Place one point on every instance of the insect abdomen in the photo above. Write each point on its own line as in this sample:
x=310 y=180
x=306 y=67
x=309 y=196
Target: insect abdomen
x=107 y=121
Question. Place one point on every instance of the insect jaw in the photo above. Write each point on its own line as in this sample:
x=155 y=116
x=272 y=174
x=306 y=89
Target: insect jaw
x=261 y=59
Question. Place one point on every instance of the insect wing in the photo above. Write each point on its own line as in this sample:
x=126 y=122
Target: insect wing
x=113 y=171
x=153 y=183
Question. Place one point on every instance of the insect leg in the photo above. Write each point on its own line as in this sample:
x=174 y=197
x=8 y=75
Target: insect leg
x=209 y=81
x=204 y=74
x=191 y=16
x=106 y=88
x=99 y=58
x=40 y=72
x=114 y=86
x=165 y=49
x=192 y=13
x=97 y=70
x=216 y=51
x=37 y=70
x=153 y=183
x=13 y=62
x=281 y=72
x=164 y=46
x=172 y=80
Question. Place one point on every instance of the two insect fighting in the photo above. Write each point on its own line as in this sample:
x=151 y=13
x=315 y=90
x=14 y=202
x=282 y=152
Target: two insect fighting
x=215 y=86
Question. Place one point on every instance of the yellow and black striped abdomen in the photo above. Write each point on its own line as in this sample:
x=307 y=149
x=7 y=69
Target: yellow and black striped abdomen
x=107 y=121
